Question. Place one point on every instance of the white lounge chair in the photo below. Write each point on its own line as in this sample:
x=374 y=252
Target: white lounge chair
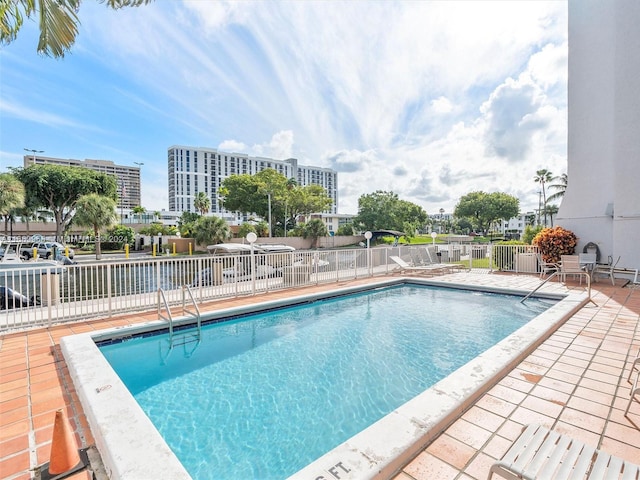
x=635 y=390
x=424 y=269
x=546 y=267
x=540 y=453
x=607 y=269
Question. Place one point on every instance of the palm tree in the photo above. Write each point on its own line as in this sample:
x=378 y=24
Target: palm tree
x=96 y=211
x=139 y=210
x=313 y=229
x=560 y=187
x=58 y=21
x=211 y=230
x=202 y=203
x=12 y=196
x=542 y=177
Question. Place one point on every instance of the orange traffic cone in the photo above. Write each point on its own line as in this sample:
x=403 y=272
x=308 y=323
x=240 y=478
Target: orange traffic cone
x=64 y=451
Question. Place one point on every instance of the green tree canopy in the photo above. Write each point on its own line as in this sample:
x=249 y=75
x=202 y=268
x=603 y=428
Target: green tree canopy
x=385 y=211
x=58 y=188
x=58 y=21
x=482 y=209
x=187 y=224
x=250 y=194
x=98 y=212
x=12 y=196
x=211 y=230
x=314 y=229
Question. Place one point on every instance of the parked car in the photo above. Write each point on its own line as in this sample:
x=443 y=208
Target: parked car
x=46 y=250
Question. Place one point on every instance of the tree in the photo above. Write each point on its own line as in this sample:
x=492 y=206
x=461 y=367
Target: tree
x=211 y=230
x=12 y=196
x=385 y=211
x=251 y=194
x=58 y=189
x=345 y=229
x=485 y=208
x=543 y=177
x=58 y=21
x=187 y=223
x=98 y=212
x=202 y=203
x=139 y=210
x=560 y=187
x=314 y=229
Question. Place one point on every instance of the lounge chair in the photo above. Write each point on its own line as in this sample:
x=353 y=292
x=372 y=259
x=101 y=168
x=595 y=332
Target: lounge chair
x=539 y=453
x=420 y=269
x=635 y=390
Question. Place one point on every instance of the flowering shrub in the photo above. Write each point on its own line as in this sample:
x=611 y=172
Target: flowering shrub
x=554 y=242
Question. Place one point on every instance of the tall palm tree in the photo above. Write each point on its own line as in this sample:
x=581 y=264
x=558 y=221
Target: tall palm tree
x=543 y=177
x=560 y=187
x=96 y=211
x=202 y=203
x=12 y=196
x=58 y=21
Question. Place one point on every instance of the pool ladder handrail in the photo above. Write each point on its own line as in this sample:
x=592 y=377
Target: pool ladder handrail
x=557 y=273
x=168 y=317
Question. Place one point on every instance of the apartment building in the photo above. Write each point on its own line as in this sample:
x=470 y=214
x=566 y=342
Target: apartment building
x=128 y=178
x=198 y=169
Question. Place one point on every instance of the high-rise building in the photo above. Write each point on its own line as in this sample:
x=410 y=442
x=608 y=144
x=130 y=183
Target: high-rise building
x=128 y=178
x=193 y=170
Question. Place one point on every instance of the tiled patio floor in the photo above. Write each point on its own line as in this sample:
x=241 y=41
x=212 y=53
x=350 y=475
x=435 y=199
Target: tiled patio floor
x=575 y=382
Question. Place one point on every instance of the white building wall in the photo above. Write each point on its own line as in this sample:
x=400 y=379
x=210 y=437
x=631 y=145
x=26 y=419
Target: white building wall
x=602 y=200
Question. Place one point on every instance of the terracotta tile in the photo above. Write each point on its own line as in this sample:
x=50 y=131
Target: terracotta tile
x=540 y=405
x=479 y=466
x=496 y=405
x=427 y=467
x=623 y=433
x=621 y=449
x=12 y=465
x=482 y=418
x=589 y=407
x=469 y=433
x=525 y=416
x=579 y=419
x=451 y=451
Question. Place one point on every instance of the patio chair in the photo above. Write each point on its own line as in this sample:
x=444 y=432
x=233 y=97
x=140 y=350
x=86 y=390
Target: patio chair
x=546 y=267
x=570 y=265
x=540 y=453
x=606 y=270
x=635 y=390
x=420 y=269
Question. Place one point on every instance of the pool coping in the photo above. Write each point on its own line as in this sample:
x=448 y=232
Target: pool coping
x=131 y=447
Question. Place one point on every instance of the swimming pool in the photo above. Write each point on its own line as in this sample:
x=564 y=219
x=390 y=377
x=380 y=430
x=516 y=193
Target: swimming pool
x=362 y=372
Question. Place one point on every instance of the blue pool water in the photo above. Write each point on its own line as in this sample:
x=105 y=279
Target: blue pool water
x=264 y=395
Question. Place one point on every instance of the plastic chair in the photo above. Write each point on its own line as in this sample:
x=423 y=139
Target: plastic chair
x=607 y=270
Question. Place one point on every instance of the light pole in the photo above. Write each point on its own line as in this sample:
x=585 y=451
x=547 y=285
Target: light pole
x=368 y=236
x=251 y=238
x=139 y=164
x=33 y=152
x=433 y=238
x=269 y=198
x=441 y=214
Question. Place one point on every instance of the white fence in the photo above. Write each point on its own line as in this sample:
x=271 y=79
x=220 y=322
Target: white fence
x=43 y=296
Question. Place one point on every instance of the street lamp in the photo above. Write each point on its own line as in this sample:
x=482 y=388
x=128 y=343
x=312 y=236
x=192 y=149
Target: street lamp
x=368 y=236
x=34 y=153
x=441 y=214
x=433 y=237
x=251 y=238
x=269 y=198
x=139 y=164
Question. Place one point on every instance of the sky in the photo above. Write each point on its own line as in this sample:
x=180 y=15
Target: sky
x=428 y=99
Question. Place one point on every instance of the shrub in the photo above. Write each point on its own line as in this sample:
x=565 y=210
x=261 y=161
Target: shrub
x=554 y=242
x=530 y=232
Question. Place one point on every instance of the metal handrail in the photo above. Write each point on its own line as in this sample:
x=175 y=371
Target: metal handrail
x=162 y=301
x=186 y=290
x=556 y=273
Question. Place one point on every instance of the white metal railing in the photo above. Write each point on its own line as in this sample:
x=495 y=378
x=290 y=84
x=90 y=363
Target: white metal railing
x=45 y=296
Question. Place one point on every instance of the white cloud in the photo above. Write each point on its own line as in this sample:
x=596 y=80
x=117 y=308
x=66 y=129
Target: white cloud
x=429 y=99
